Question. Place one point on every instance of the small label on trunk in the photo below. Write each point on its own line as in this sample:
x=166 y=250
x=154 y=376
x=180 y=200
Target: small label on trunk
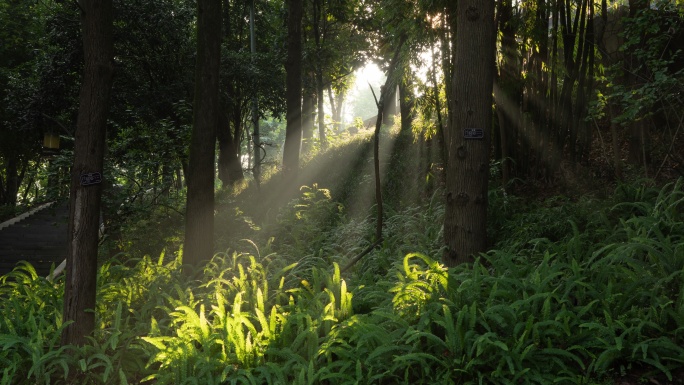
x=91 y=178
x=473 y=133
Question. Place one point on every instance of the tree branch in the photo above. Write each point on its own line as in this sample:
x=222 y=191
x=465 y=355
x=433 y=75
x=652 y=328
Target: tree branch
x=361 y=255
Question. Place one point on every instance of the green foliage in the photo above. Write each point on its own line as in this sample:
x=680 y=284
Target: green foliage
x=303 y=222
x=648 y=39
x=30 y=327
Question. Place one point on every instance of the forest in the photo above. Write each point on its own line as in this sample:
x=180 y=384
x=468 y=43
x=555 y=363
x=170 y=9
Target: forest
x=346 y=191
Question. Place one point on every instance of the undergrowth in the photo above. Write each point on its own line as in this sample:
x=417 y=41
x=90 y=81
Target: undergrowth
x=574 y=293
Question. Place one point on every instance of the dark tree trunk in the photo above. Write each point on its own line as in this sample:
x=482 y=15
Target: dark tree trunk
x=406 y=102
x=586 y=88
x=470 y=102
x=549 y=153
x=391 y=106
x=228 y=132
x=84 y=216
x=293 y=91
x=199 y=217
x=229 y=166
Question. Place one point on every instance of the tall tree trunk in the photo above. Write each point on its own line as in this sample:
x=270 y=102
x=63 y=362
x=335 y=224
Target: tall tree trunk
x=338 y=112
x=199 y=217
x=321 y=109
x=89 y=144
x=238 y=125
x=391 y=106
x=580 y=67
x=376 y=163
x=465 y=219
x=308 y=118
x=229 y=166
x=293 y=91
x=336 y=106
x=550 y=152
x=256 y=134
x=318 y=18
x=406 y=102
x=586 y=88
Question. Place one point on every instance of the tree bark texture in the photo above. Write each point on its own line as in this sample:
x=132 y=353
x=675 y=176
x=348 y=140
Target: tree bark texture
x=84 y=215
x=293 y=91
x=199 y=217
x=470 y=107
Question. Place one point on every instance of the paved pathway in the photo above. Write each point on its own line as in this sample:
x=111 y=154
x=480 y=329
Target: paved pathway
x=39 y=238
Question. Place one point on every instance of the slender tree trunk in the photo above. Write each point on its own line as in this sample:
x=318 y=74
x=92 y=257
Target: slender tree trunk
x=469 y=132
x=438 y=107
x=223 y=137
x=199 y=217
x=588 y=88
x=89 y=145
x=376 y=167
x=339 y=110
x=236 y=138
x=321 y=109
x=308 y=118
x=293 y=90
x=318 y=19
x=550 y=150
x=256 y=134
x=336 y=105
